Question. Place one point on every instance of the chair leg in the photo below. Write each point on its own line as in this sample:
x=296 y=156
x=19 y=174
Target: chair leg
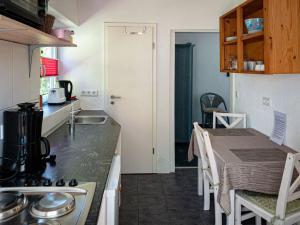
x=238 y=213
x=200 y=178
x=206 y=194
x=218 y=214
x=232 y=204
x=278 y=223
x=257 y=220
x=218 y=210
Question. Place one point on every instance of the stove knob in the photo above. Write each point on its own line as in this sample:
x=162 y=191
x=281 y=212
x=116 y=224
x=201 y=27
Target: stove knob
x=47 y=183
x=73 y=183
x=60 y=183
x=27 y=183
x=35 y=182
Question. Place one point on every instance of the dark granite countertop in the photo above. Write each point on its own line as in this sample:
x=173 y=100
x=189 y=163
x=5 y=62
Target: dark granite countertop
x=50 y=109
x=86 y=156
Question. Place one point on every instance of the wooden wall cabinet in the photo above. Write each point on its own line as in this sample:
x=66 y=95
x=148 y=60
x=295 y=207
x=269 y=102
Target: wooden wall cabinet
x=278 y=46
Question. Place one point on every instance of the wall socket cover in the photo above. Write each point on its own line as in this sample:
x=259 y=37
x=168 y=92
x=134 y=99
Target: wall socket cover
x=266 y=101
x=90 y=93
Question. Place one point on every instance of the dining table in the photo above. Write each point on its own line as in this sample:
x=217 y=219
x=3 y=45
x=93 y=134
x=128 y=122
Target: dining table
x=246 y=160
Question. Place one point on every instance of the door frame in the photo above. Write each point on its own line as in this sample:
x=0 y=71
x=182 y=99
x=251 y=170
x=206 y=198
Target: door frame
x=172 y=88
x=154 y=79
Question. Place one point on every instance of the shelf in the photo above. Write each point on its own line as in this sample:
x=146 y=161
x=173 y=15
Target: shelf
x=231 y=14
x=253 y=8
x=230 y=42
x=253 y=36
x=253 y=72
x=229 y=71
x=14 y=31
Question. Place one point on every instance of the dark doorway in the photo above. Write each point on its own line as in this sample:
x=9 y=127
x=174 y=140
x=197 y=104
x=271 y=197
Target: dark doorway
x=183 y=103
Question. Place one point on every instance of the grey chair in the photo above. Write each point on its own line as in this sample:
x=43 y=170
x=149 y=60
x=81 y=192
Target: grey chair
x=211 y=102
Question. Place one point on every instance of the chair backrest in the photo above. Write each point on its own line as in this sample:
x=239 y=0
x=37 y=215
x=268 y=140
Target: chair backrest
x=200 y=141
x=206 y=152
x=235 y=119
x=211 y=100
x=289 y=188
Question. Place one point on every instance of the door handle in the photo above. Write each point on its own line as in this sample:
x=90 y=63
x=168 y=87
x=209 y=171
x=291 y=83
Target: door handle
x=115 y=97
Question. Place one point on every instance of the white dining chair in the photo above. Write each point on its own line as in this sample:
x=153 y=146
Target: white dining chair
x=210 y=174
x=203 y=183
x=235 y=119
x=283 y=209
x=211 y=179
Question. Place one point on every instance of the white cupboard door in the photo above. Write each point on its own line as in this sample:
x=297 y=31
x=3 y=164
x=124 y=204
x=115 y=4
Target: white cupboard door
x=35 y=76
x=129 y=63
x=102 y=214
x=5 y=74
x=21 y=80
x=112 y=192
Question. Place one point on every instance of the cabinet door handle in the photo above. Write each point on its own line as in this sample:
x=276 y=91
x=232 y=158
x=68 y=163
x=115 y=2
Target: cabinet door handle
x=115 y=97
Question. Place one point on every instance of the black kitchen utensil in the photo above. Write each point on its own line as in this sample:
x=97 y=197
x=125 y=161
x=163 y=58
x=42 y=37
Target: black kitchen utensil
x=8 y=169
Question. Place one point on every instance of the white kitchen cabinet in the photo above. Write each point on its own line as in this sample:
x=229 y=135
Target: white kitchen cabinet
x=109 y=212
x=6 y=95
x=20 y=74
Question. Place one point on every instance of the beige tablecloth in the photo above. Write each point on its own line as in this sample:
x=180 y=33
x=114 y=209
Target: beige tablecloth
x=246 y=160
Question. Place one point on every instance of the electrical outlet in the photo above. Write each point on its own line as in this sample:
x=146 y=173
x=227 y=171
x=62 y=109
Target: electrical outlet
x=90 y=93
x=266 y=101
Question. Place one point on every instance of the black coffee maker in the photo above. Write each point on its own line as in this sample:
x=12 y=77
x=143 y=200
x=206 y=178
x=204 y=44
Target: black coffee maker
x=22 y=138
x=68 y=86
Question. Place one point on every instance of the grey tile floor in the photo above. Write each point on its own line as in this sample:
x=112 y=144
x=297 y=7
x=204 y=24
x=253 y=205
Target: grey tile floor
x=164 y=199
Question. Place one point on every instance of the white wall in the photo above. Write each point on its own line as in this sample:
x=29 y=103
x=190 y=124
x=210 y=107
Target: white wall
x=206 y=71
x=84 y=65
x=68 y=8
x=284 y=92
x=15 y=84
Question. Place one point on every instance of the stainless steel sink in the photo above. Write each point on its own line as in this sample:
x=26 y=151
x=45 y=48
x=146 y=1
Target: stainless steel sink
x=90 y=119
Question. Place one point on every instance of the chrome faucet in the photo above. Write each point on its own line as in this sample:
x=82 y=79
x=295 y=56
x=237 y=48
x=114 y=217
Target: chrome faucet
x=72 y=120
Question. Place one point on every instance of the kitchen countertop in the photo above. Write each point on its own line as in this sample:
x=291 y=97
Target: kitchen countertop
x=86 y=156
x=50 y=109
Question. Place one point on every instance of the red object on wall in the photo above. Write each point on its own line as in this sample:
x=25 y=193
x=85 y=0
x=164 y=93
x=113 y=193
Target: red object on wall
x=49 y=67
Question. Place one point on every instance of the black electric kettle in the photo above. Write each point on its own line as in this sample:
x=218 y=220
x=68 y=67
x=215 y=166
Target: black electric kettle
x=68 y=86
x=22 y=138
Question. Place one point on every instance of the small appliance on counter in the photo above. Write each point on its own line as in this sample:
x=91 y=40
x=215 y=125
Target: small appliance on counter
x=56 y=96
x=68 y=87
x=22 y=139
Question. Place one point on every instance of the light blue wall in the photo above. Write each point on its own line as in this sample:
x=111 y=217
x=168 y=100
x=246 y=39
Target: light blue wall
x=207 y=76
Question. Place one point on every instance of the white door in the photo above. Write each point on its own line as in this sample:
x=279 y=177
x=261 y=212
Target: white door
x=129 y=60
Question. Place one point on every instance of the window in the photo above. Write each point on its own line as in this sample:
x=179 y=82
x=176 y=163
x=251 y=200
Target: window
x=49 y=81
